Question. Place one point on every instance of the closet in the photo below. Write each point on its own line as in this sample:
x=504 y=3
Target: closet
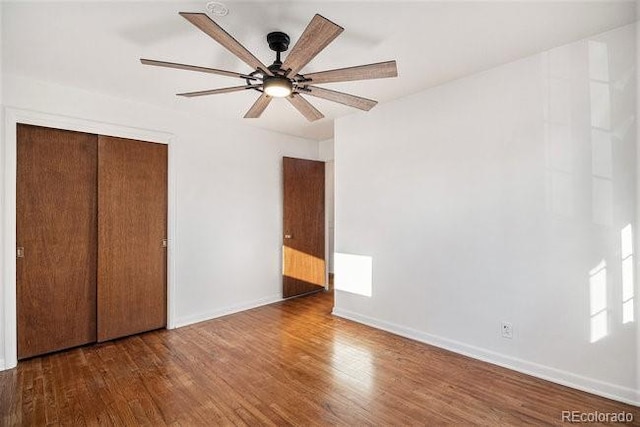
x=91 y=223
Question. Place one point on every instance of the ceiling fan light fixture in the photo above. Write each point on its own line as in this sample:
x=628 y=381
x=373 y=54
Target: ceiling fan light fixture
x=277 y=86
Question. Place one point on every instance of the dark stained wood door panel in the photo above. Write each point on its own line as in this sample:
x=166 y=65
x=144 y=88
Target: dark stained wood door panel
x=56 y=214
x=132 y=224
x=303 y=226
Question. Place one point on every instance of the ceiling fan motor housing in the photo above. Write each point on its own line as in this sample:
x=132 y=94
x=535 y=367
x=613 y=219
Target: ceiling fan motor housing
x=278 y=41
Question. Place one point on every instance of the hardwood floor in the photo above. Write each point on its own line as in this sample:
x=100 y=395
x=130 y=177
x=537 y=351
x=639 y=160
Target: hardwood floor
x=289 y=363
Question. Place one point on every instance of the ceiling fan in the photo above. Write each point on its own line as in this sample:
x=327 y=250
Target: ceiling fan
x=283 y=79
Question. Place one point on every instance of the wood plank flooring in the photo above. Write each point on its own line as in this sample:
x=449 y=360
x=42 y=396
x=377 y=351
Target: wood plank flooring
x=290 y=363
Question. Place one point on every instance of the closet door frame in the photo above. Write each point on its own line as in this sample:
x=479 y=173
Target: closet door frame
x=14 y=116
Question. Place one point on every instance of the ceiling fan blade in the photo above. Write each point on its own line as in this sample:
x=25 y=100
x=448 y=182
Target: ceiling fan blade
x=361 y=72
x=318 y=34
x=216 y=91
x=341 y=97
x=305 y=108
x=258 y=107
x=213 y=30
x=194 y=68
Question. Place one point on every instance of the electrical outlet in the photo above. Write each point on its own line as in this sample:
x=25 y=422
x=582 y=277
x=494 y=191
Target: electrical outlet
x=507 y=330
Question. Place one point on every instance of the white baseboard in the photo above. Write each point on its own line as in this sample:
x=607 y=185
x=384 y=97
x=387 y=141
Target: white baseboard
x=201 y=317
x=589 y=385
x=3 y=366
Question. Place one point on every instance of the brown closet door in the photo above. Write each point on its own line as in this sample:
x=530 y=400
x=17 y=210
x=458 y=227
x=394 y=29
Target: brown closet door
x=303 y=225
x=56 y=226
x=132 y=224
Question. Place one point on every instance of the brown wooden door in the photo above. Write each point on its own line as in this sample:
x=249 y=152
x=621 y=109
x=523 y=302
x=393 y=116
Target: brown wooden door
x=132 y=224
x=303 y=240
x=56 y=226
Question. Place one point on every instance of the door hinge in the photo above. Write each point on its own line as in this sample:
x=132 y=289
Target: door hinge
x=20 y=252
x=165 y=243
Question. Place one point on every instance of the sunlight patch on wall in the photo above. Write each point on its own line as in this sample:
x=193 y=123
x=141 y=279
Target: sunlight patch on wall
x=626 y=253
x=602 y=201
x=598 y=302
x=598 y=61
x=559 y=144
x=354 y=273
x=600 y=105
x=601 y=143
x=599 y=85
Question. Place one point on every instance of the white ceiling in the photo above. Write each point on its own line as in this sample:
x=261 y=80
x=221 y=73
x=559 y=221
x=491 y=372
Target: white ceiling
x=97 y=45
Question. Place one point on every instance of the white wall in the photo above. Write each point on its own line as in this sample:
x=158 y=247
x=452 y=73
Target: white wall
x=227 y=246
x=495 y=198
x=326 y=154
x=637 y=189
x=326 y=150
x=2 y=158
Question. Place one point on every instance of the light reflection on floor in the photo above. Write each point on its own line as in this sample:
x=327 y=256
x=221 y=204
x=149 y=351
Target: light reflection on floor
x=353 y=365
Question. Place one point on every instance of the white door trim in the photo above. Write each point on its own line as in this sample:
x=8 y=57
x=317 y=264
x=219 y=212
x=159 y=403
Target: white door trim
x=12 y=118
